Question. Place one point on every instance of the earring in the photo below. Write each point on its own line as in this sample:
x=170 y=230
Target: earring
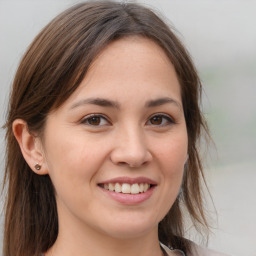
x=37 y=167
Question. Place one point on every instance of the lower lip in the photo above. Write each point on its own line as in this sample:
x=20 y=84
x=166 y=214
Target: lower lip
x=129 y=199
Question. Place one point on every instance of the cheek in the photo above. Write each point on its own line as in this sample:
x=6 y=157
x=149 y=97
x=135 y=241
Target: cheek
x=67 y=158
x=73 y=158
x=171 y=158
x=72 y=165
x=172 y=154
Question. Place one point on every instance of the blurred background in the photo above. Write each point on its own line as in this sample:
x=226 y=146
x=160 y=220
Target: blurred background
x=221 y=37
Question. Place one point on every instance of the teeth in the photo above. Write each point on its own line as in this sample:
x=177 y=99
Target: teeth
x=118 y=188
x=141 y=187
x=126 y=188
x=111 y=187
x=135 y=189
x=146 y=187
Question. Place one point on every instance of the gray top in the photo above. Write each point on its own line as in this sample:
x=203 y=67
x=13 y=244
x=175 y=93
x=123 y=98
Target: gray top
x=196 y=251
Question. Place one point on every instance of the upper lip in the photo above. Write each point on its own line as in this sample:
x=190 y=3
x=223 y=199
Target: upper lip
x=130 y=180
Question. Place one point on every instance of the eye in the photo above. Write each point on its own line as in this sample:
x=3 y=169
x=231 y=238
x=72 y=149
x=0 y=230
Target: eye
x=95 y=120
x=160 y=120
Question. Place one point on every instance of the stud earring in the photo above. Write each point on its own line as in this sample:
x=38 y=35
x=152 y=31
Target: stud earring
x=37 y=167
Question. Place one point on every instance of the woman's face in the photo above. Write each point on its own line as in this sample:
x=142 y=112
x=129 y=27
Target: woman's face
x=116 y=149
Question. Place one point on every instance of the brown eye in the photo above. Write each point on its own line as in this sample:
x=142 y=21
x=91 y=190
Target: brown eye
x=95 y=120
x=156 y=120
x=160 y=120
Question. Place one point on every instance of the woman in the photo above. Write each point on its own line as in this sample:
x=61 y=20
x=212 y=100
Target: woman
x=102 y=137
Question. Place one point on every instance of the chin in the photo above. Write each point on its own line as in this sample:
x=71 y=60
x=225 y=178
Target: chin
x=131 y=229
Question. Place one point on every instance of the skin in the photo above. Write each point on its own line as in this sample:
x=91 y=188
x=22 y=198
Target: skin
x=127 y=139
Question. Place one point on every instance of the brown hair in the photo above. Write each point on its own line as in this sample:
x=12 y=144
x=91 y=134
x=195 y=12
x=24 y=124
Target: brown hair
x=50 y=71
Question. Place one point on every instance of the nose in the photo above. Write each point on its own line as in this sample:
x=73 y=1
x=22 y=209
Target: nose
x=131 y=149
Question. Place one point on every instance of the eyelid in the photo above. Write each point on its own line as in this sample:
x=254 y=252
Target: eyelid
x=169 y=119
x=87 y=117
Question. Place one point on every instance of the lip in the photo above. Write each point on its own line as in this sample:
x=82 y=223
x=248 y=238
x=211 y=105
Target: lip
x=130 y=180
x=129 y=199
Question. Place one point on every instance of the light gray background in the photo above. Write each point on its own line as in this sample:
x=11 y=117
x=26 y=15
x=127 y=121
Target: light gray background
x=221 y=37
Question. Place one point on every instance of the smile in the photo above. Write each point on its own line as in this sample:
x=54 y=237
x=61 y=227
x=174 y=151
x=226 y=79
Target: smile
x=127 y=188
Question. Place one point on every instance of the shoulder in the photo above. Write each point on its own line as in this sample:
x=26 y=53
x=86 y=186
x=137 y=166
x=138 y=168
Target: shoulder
x=196 y=251
x=203 y=251
x=172 y=252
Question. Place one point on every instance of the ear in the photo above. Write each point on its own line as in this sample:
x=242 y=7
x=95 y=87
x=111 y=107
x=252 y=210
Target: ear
x=30 y=146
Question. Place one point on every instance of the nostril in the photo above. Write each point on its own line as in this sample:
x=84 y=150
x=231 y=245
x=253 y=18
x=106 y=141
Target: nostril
x=122 y=163
x=132 y=163
x=130 y=155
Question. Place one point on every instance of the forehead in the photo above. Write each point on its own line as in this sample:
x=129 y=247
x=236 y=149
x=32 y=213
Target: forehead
x=128 y=65
x=132 y=49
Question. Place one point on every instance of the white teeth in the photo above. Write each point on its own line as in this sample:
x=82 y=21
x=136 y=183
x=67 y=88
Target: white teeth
x=135 y=189
x=146 y=187
x=126 y=188
x=118 y=188
x=111 y=187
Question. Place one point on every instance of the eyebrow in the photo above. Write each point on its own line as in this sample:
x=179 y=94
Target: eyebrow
x=162 y=101
x=96 y=101
x=114 y=104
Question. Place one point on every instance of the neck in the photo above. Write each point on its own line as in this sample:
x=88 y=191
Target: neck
x=76 y=239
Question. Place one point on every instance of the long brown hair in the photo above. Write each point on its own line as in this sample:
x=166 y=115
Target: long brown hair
x=50 y=71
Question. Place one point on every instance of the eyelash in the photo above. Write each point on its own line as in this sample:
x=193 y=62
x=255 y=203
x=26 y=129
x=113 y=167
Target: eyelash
x=89 y=118
x=167 y=118
x=100 y=118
